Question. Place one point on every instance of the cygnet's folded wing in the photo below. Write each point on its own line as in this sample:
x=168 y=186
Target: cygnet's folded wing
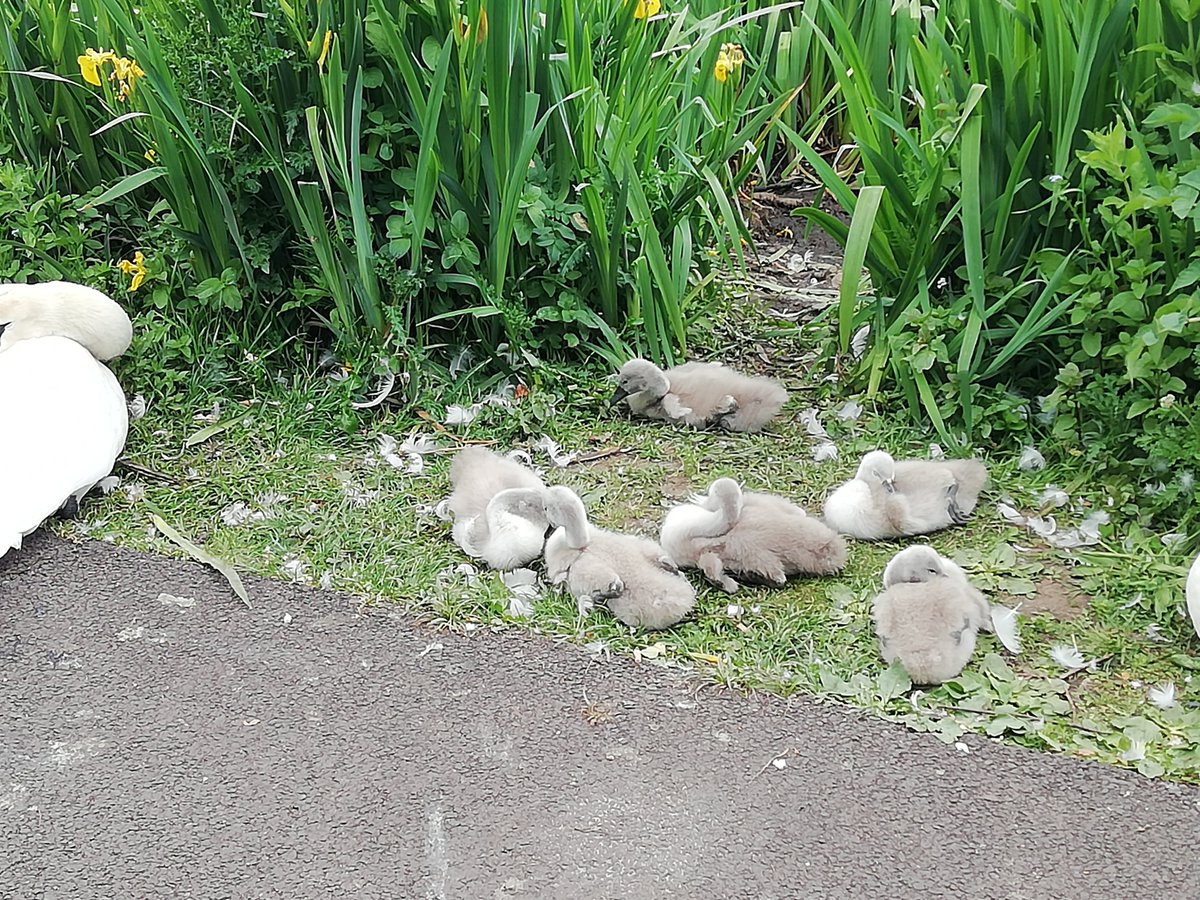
x=63 y=422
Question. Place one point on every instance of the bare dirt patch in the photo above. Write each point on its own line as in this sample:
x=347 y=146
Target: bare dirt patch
x=1057 y=596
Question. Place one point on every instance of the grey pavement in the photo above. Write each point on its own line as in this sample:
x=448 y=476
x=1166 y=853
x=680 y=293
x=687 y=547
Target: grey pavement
x=149 y=749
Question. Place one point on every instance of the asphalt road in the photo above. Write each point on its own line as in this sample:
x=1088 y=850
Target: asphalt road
x=153 y=749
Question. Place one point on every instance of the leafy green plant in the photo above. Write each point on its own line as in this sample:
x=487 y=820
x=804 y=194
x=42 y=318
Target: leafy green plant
x=403 y=168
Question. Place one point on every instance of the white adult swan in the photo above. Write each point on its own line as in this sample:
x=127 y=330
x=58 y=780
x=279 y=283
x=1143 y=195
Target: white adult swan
x=63 y=417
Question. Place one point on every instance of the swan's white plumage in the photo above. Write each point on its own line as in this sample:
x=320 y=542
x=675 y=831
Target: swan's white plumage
x=76 y=311
x=1193 y=594
x=63 y=422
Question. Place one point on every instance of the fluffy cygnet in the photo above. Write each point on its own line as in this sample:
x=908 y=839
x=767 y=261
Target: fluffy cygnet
x=759 y=538
x=699 y=395
x=498 y=508
x=631 y=575
x=889 y=499
x=928 y=615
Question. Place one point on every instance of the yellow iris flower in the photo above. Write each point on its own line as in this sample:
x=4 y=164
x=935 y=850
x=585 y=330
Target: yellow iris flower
x=90 y=63
x=125 y=71
x=136 y=270
x=729 y=60
x=325 y=45
x=647 y=8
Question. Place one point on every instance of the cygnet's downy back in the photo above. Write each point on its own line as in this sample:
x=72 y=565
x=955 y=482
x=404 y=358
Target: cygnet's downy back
x=757 y=538
x=928 y=616
x=630 y=575
x=889 y=499
x=699 y=395
x=497 y=507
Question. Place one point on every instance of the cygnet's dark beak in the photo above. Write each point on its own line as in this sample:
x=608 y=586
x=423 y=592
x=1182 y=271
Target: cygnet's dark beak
x=618 y=395
x=889 y=485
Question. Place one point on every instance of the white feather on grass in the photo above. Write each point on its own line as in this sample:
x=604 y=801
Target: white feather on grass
x=1163 y=695
x=1067 y=656
x=850 y=411
x=1031 y=460
x=461 y=415
x=559 y=457
x=1004 y=623
x=812 y=424
x=824 y=450
x=524 y=589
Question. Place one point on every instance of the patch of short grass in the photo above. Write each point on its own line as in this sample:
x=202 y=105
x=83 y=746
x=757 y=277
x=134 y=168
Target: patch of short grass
x=325 y=509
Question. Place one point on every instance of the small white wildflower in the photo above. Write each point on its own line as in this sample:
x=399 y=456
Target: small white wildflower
x=825 y=450
x=812 y=424
x=850 y=411
x=1067 y=656
x=137 y=407
x=1163 y=695
x=135 y=491
x=1031 y=460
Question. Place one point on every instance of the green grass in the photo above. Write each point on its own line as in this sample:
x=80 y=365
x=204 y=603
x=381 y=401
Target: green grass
x=356 y=524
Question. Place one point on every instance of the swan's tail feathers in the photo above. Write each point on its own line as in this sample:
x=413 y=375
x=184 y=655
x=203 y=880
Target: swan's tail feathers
x=9 y=540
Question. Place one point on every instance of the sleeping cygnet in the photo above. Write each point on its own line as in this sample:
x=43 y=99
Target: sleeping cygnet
x=759 y=538
x=889 y=499
x=928 y=615
x=631 y=575
x=699 y=395
x=498 y=508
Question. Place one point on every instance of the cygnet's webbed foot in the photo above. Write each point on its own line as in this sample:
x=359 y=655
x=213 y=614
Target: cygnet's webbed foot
x=614 y=588
x=724 y=411
x=665 y=562
x=673 y=408
x=957 y=515
x=714 y=570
